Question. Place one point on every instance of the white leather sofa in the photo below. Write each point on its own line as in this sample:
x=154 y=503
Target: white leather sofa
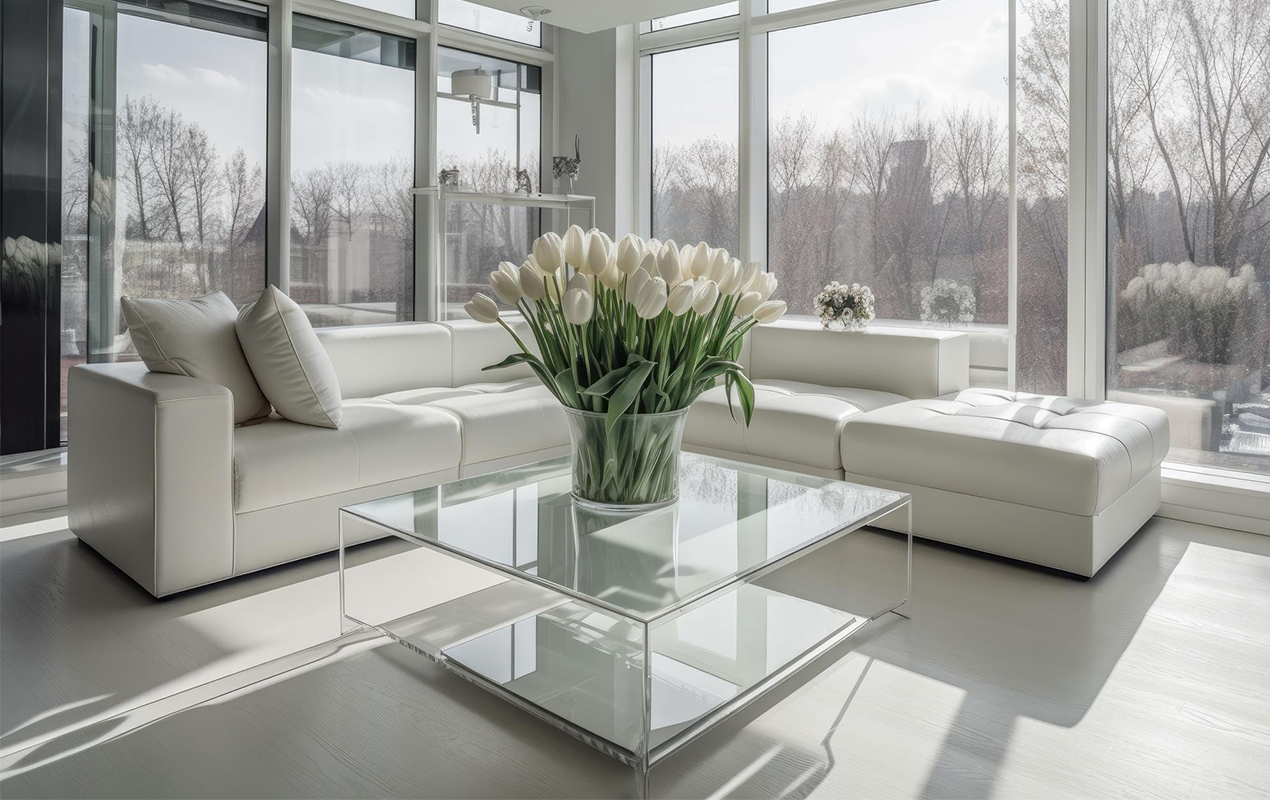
x=1054 y=481
x=163 y=484
x=808 y=384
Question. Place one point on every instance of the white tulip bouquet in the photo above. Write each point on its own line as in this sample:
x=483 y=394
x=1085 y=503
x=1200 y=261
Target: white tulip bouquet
x=627 y=343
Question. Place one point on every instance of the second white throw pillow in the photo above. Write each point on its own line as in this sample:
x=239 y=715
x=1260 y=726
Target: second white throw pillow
x=289 y=362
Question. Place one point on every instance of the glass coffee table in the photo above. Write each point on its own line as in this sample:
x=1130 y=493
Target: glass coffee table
x=636 y=633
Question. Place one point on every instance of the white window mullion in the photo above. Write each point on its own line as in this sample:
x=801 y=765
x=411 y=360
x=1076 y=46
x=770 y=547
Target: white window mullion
x=278 y=180
x=426 y=299
x=1087 y=210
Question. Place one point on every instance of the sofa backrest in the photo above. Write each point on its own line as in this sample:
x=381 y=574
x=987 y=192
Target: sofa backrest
x=914 y=362
x=372 y=360
x=377 y=359
x=477 y=345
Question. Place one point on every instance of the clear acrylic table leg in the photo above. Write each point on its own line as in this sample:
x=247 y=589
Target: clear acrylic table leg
x=646 y=715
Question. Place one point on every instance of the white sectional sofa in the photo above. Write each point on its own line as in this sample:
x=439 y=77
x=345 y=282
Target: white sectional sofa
x=164 y=485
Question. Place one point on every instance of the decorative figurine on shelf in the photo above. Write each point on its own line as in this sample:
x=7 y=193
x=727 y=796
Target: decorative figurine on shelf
x=450 y=178
x=569 y=168
x=523 y=183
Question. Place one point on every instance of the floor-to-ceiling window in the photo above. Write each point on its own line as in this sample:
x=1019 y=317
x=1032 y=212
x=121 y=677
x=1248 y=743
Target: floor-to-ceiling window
x=163 y=156
x=1042 y=114
x=352 y=172
x=492 y=146
x=694 y=145
x=888 y=157
x=1188 y=228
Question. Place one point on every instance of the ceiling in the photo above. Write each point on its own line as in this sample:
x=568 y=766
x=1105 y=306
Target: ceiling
x=589 y=16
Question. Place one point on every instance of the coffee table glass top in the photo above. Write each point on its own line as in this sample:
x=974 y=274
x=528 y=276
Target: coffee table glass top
x=730 y=522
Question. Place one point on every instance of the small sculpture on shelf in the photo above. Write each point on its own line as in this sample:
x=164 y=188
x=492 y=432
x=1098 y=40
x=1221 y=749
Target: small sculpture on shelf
x=523 y=183
x=568 y=168
x=449 y=178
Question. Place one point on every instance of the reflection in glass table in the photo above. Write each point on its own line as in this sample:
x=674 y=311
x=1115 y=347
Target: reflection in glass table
x=641 y=631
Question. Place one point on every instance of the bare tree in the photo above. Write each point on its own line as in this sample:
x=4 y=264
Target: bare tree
x=135 y=129
x=206 y=191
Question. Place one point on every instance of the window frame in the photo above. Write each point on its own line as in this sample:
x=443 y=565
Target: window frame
x=1087 y=259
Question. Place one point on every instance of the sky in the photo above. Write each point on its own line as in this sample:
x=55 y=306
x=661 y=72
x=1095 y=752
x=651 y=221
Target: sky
x=946 y=53
x=951 y=52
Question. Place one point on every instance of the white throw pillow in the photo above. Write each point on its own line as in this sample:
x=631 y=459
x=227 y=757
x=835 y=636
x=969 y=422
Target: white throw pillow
x=289 y=361
x=196 y=338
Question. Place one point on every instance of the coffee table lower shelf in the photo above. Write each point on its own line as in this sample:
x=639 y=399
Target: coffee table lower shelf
x=580 y=670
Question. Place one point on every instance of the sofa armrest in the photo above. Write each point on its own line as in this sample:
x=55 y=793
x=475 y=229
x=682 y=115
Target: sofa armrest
x=150 y=473
x=913 y=362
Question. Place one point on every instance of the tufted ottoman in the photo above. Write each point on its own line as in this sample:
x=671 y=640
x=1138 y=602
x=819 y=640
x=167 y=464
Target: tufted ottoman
x=1050 y=480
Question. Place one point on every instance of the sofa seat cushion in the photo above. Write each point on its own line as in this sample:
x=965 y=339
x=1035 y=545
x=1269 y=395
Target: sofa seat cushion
x=793 y=421
x=278 y=461
x=429 y=394
x=1056 y=453
x=508 y=423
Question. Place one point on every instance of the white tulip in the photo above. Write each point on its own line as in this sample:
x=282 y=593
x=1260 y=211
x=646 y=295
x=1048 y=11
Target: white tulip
x=704 y=296
x=611 y=276
x=680 y=299
x=718 y=265
x=651 y=299
x=630 y=252
x=653 y=245
x=575 y=242
x=481 y=309
x=769 y=312
x=730 y=278
x=597 y=256
x=505 y=286
x=701 y=255
x=581 y=283
x=634 y=283
x=686 y=255
x=764 y=283
x=549 y=252
x=608 y=243
x=747 y=275
x=532 y=283
x=577 y=306
x=668 y=265
x=649 y=263
x=748 y=302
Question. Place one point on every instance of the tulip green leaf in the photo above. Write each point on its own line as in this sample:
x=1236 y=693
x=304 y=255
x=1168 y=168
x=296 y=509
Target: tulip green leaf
x=608 y=382
x=627 y=392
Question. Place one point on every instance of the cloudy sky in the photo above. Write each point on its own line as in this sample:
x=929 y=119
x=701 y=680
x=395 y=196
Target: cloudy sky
x=951 y=52
x=940 y=54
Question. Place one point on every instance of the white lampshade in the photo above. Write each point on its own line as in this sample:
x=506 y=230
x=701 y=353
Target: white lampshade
x=472 y=83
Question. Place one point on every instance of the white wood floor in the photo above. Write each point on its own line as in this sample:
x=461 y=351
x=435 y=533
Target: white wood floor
x=1151 y=680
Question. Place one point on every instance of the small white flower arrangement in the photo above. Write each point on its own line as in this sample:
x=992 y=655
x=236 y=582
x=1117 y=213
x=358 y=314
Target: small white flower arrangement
x=1198 y=308
x=844 y=308
x=946 y=302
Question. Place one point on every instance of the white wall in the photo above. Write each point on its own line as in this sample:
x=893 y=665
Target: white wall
x=596 y=100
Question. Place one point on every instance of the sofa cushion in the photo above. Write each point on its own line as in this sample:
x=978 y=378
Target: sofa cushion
x=477 y=345
x=288 y=360
x=431 y=393
x=278 y=461
x=373 y=360
x=196 y=338
x=793 y=421
x=914 y=362
x=1056 y=453
x=510 y=423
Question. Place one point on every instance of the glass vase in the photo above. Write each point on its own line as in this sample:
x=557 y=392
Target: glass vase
x=633 y=466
